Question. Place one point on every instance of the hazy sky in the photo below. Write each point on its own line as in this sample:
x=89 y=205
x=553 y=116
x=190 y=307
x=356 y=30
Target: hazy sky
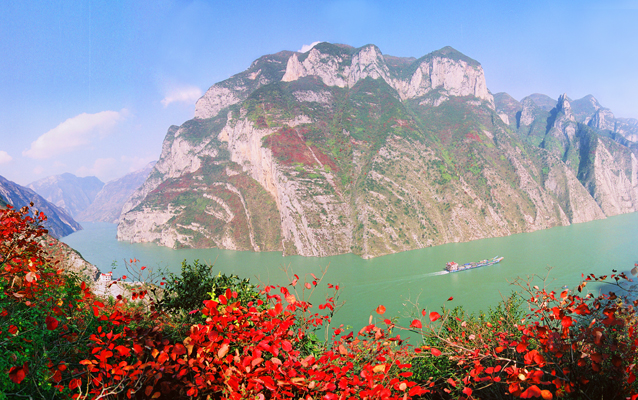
x=91 y=87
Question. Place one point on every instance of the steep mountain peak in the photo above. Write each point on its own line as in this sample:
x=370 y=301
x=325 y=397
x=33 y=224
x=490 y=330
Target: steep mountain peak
x=446 y=69
x=343 y=66
x=453 y=54
x=543 y=101
x=564 y=106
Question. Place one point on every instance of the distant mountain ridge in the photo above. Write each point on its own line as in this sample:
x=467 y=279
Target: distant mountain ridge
x=344 y=149
x=67 y=191
x=58 y=223
x=586 y=110
x=108 y=203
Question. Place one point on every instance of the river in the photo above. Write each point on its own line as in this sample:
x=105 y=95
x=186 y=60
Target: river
x=399 y=280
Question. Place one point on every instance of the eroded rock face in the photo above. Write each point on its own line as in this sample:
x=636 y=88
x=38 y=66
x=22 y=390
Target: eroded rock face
x=456 y=77
x=214 y=100
x=339 y=151
x=603 y=119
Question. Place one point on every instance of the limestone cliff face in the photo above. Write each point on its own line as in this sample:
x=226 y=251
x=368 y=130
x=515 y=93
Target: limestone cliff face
x=602 y=164
x=627 y=128
x=457 y=77
x=298 y=207
x=346 y=150
x=614 y=184
x=603 y=119
x=237 y=88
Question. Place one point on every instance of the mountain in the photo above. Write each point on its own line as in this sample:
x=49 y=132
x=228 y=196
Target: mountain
x=67 y=191
x=108 y=203
x=59 y=223
x=345 y=149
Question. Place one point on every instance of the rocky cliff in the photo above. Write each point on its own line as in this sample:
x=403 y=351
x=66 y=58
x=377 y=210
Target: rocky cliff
x=348 y=150
x=69 y=259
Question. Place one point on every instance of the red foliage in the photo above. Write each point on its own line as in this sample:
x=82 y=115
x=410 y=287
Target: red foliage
x=557 y=350
x=260 y=350
x=289 y=145
x=247 y=352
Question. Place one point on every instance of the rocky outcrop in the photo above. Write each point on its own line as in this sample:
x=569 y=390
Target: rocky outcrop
x=614 y=184
x=237 y=88
x=528 y=112
x=68 y=259
x=602 y=119
x=627 y=128
x=443 y=70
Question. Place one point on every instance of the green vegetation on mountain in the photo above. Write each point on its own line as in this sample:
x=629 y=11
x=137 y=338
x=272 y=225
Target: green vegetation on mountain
x=353 y=151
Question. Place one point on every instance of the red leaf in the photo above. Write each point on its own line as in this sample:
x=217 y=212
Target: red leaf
x=57 y=376
x=467 y=391
x=143 y=268
x=51 y=322
x=223 y=350
x=416 y=324
x=435 y=352
x=17 y=374
x=75 y=383
x=567 y=322
x=308 y=285
x=450 y=299
x=532 y=391
x=380 y=310
x=434 y=316
x=124 y=351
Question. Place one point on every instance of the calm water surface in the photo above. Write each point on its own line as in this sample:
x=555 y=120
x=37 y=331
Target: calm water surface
x=397 y=280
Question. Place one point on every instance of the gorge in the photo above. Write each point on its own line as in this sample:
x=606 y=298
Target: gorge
x=343 y=150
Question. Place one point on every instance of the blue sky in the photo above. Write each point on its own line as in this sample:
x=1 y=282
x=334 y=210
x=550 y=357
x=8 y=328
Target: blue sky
x=91 y=87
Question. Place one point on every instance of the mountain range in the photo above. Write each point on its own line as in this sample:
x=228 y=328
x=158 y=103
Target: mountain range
x=67 y=191
x=108 y=202
x=59 y=223
x=344 y=149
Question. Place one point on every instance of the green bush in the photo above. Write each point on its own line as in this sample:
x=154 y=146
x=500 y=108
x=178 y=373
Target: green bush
x=196 y=283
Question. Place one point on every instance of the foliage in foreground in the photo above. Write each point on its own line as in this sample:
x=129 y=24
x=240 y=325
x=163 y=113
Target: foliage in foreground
x=58 y=340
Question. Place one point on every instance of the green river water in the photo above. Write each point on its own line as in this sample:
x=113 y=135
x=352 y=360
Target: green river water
x=397 y=280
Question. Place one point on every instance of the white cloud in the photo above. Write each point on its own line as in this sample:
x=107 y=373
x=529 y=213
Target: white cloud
x=307 y=47
x=183 y=94
x=5 y=157
x=38 y=170
x=74 y=133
